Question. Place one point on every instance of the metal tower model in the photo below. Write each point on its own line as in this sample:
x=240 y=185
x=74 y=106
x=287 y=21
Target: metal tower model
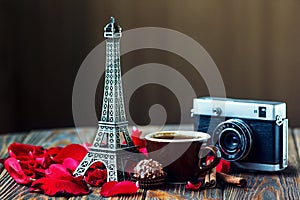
x=107 y=147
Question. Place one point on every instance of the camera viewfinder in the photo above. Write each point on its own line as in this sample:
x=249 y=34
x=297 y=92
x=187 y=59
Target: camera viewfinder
x=262 y=111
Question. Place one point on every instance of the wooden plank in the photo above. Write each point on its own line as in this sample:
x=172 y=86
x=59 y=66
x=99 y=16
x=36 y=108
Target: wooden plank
x=52 y=138
x=296 y=137
x=180 y=192
x=277 y=185
x=9 y=189
x=5 y=141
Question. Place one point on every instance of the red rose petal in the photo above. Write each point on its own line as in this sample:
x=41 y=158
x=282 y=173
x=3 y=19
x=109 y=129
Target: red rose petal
x=136 y=132
x=96 y=177
x=30 y=173
x=96 y=165
x=58 y=171
x=53 y=151
x=138 y=141
x=136 y=138
x=23 y=151
x=31 y=155
x=32 y=164
x=144 y=151
x=51 y=186
x=44 y=160
x=223 y=166
x=193 y=186
x=14 y=169
x=18 y=148
x=74 y=151
x=105 y=189
x=39 y=172
x=40 y=160
x=23 y=164
x=11 y=153
x=114 y=188
x=28 y=164
x=71 y=164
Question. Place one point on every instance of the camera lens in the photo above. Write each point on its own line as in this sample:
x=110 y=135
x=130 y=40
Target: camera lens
x=230 y=140
x=234 y=138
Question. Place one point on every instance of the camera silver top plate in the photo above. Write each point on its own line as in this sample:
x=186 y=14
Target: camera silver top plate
x=239 y=108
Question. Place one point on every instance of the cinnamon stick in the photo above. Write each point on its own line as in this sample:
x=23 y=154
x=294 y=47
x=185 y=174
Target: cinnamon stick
x=206 y=179
x=207 y=176
x=210 y=179
x=213 y=178
x=238 y=181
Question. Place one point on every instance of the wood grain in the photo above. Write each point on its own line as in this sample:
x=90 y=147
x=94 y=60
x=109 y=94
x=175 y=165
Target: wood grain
x=279 y=185
x=9 y=189
x=263 y=185
x=296 y=140
x=7 y=139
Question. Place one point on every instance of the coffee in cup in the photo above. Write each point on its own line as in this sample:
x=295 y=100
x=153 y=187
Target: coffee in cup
x=178 y=152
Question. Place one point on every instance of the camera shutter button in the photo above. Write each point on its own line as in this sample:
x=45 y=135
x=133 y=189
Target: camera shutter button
x=217 y=111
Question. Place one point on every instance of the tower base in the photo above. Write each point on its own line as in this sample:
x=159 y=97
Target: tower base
x=114 y=160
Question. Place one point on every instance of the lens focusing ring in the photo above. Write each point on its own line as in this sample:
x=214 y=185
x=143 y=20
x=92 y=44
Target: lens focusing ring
x=234 y=139
x=230 y=141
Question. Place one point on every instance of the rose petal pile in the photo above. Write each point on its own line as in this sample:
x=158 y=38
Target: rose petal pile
x=47 y=170
x=50 y=170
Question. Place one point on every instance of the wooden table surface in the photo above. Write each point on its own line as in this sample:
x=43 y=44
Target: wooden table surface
x=279 y=185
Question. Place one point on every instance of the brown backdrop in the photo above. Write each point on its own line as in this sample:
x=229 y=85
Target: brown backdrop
x=255 y=45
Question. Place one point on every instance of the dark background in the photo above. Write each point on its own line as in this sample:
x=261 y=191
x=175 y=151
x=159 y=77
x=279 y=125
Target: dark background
x=255 y=45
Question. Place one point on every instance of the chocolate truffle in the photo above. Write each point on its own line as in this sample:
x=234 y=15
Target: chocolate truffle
x=149 y=173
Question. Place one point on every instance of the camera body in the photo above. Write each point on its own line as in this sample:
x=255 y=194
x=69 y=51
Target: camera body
x=252 y=134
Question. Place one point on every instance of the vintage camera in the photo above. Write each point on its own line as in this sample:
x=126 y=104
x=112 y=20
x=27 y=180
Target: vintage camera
x=252 y=134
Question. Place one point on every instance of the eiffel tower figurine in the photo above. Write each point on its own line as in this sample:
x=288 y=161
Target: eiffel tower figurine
x=107 y=147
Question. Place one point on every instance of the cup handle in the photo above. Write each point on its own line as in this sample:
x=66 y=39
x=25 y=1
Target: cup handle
x=216 y=158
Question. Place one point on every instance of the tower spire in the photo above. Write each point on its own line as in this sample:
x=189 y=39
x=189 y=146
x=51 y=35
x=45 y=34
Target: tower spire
x=107 y=147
